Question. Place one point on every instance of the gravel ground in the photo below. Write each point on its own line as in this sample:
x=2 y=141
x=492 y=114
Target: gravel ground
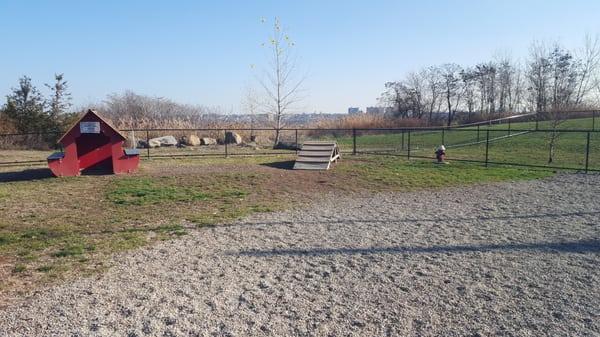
x=505 y=259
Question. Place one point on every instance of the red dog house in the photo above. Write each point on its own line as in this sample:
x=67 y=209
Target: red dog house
x=93 y=145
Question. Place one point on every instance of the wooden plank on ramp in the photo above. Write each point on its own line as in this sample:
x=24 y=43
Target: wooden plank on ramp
x=317 y=156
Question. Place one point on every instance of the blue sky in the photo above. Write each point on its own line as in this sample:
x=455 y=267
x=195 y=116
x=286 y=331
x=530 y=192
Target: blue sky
x=200 y=52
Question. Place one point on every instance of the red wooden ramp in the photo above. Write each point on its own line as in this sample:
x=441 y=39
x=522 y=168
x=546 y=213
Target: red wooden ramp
x=317 y=156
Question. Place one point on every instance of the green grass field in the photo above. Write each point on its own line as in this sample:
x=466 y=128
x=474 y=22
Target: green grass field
x=470 y=144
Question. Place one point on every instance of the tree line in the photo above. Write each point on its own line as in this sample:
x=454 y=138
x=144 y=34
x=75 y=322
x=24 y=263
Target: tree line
x=26 y=110
x=551 y=78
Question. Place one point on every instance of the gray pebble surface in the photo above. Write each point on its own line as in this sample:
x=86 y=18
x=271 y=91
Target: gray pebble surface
x=507 y=259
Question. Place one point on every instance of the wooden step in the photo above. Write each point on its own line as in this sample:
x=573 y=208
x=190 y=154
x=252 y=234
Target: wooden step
x=314 y=159
x=316 y=148
x=306 y=153
x=325 y=143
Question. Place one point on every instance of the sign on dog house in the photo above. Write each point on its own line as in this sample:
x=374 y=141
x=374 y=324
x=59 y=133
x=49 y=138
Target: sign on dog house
x=93 y=145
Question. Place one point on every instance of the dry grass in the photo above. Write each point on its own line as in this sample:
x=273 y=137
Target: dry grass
x=367 y=121
x=8 y=156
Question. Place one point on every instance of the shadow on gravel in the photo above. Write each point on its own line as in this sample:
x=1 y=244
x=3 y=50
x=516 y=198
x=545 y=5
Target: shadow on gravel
x=417 y=220
x=25 y=175
x=586 y=246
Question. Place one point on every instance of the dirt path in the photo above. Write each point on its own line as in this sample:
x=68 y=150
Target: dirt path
x=505 y=259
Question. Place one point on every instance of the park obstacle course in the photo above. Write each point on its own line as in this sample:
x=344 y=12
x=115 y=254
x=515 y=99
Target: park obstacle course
x=317 y=155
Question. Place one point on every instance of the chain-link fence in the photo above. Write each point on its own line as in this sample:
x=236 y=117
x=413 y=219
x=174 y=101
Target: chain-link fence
x=527 y=143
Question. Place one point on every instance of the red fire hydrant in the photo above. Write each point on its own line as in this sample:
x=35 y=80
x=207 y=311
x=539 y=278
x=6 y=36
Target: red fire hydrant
x=440 y=154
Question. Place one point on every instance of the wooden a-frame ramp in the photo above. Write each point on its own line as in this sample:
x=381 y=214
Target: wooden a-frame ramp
x=317 y=155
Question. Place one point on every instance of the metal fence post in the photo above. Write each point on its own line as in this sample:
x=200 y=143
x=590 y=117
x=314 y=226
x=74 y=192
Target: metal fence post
x=225 y=141
x=587 y=152
x=537 y=119
x=147 y=143
x=296 y=141
x=593 y=120
x=487 y=146
x=354 y=141
x=509 y=127
x=478 y=133
x=443 y=136
x=408 y=154
x=402 y=139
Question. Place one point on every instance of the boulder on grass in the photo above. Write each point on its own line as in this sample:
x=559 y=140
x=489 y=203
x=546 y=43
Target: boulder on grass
x=232 y=138
x=162 y=141
x=191 y=140
x=208 y=141
x=142 y=144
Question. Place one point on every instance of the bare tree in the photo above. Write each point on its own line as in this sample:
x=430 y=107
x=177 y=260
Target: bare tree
x=433 y=83
x=590 y=61
x=564 y=68
x=505 y=74
x=416 y=86
x=486 y=75
x=539 y=75
x=516 y=93
x=451 y=78
x=550 y=79
x=563 y=85
x=281 y=87
x=468 y=77
x=392 y=97
x=251 y=104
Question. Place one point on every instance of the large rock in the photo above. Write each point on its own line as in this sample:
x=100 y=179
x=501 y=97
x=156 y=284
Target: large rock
x=208 y=141
x=142 y=144
x=192 y=140
x=162 y=141
x=232 y=138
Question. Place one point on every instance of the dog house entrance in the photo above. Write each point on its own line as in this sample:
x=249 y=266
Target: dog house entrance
x=94 y=153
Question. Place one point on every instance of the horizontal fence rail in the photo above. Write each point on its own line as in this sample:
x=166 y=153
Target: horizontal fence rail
x=492 y=142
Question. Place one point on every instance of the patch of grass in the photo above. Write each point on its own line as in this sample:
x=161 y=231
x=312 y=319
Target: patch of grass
x=399 y=174
x=44 y=268
x=141 y=191
x=7 y=238
x=70 y=250
x=233 y=194
x=19 y=268
x=38 y=233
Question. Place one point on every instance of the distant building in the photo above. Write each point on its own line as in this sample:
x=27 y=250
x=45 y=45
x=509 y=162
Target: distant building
x=354 y=111
x=375 y=110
